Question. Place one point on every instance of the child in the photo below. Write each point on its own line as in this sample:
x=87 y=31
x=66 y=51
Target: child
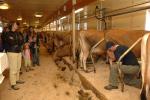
x=27 y=57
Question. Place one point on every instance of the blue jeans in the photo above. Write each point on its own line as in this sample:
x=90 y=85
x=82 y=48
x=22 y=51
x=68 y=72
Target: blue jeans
x=35 y=56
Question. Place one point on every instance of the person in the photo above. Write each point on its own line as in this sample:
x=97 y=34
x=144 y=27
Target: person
x=14 y=55
x=34 y=46
x=21 y=43
x=1 y=43
x=27 y=57
x=4 y=35
x=130 y=66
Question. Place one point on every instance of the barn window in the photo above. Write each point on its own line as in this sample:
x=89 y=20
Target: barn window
x=85 y=26
x=78 y=26
x=147 y=23
x=1 y=27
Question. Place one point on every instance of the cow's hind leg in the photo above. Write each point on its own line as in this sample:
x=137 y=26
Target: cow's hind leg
x=144 y=92
x=147 y=90
x=81 y=59
x=86 y=54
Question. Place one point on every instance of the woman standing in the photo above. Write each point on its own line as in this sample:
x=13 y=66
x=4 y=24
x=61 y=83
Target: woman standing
x=14 y=54
x=34 y=46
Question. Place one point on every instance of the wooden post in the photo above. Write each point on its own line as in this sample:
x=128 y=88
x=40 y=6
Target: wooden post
x=73 y=33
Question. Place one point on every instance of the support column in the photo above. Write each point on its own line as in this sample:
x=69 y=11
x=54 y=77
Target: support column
x=102 y=14
x=73 y=33
x=56 y=25
x=68 y=26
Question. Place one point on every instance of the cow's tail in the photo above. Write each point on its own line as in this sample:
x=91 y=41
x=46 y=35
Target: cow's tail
x=143 y=93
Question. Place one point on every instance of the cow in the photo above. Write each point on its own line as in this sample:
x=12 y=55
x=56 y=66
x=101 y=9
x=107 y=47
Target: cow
x=90 y=37
x=145 y=67
x=56 y=40
x=87 y=40
x=50 y=42
x=63 y=46
x=61 y=39
x=62 y=52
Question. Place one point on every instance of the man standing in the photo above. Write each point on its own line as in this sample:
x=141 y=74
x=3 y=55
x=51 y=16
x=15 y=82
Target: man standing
x=14 y=54
x=130 y=66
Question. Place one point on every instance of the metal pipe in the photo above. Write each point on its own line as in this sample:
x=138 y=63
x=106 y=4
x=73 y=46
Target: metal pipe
x=128 y=7
x=119 y=62
x=120 y=13
x=124 y=54
x=73 y=33
x=92 y=52
x=97 y=44
x=129 y=11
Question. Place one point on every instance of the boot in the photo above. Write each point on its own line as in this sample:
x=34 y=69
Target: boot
x=20 y=82
x=14 y=87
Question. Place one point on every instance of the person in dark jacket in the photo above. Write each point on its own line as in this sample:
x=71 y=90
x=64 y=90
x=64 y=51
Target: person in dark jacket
x=130 y=66
x=14 y=54
x=4 y=35
x=1 y=43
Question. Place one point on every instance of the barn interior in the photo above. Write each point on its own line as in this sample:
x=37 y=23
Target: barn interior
x=73 y=59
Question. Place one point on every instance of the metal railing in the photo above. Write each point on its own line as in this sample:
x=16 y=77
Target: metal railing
x=119 y=62
x=92 y=49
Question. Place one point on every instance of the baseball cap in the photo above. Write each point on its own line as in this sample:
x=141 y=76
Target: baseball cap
x=109 y=44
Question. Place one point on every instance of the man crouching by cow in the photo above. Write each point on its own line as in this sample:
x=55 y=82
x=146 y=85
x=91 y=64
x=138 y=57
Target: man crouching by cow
x=130 y=66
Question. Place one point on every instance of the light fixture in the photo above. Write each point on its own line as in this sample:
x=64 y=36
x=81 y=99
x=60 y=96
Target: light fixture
x=63 y=17
x=79 y=10
x=19 y=18
x=4 y=6
x=24 y=23
x=1 y=27
x=38 y=15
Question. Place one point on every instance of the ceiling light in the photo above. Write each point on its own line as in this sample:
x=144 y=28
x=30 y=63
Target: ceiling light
x=24 y=23
x=79 y=10
x=19 y=18
x=63 y=17
x=4 y=6
x=38 y=14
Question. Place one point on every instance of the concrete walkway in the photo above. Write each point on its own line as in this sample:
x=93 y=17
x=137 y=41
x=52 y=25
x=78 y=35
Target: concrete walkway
x=41 y=84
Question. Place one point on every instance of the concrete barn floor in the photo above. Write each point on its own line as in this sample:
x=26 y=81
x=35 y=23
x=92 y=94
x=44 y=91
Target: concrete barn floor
x=40 y=84
x=100 y=79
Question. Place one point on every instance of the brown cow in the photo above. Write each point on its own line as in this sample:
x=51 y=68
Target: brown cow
x=87 y=40
x=62 y=52
x=91 y=37
x=61 y=39
x=50 y=42
x=126 y=37
x=145 y=68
